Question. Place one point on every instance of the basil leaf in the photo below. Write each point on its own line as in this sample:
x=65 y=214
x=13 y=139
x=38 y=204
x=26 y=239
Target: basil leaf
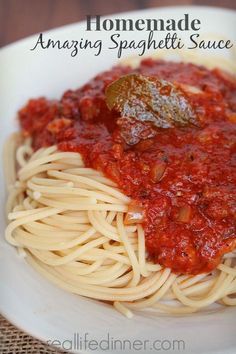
x=148 y=102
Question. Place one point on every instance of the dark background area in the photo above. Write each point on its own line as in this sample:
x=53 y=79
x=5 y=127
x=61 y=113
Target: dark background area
x=21 y=18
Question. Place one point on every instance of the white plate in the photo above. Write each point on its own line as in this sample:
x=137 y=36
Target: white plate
x=28 y=300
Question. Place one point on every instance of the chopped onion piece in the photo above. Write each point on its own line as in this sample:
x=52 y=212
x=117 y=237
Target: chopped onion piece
x=232 y=118
x=185 y=214
x=135 y=214
x=191 y=89
x=158 y=171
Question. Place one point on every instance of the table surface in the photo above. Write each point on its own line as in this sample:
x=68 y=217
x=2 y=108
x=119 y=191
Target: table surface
x=21 y=18
x=14 y=341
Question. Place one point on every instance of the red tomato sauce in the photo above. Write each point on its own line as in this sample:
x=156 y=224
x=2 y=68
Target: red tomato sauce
x=184 y=178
